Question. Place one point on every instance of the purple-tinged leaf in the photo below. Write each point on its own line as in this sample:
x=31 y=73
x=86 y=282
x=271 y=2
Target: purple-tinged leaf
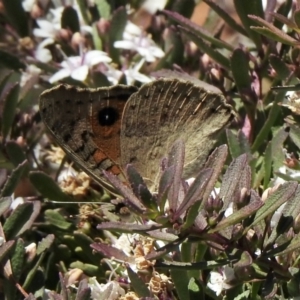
x=83 y=291
x=274 y=201
x=287 y=217
x=238 y=216
x=194 y=193
x=284 y=20
x=5 y=203
x=4 y=249
x=196 y=29
x=139 y=187
x=166 y=180
x=130 y=198
x=112 y=252
x=215 y=162
x=275 y=36
x=272 y=32
x=229 y=190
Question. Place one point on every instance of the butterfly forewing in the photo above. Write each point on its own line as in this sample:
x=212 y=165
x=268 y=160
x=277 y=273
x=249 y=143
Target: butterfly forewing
x=86 y=124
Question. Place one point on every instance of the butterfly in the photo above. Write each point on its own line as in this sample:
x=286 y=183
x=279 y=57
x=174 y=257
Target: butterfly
x=107 y=128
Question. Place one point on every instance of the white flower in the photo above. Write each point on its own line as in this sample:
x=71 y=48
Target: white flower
x=132 y=74
x=112 y=74
x=42 y=53
x=28 y=5
x=219 y=281
x=137 y=40
x=152 y=6
x=78 y=67
x=46 y=29
x=108 y=291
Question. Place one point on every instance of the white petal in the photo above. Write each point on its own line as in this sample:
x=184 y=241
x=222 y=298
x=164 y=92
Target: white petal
x=61 y=74
x=43 y=55
x=157 y=52
x=125 y=45
x=80 y=73
x=133 y=29
x=42 y=33
x=28 y=4
x=95 y=57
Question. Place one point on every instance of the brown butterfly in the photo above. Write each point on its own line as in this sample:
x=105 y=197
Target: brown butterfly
x=109 y=127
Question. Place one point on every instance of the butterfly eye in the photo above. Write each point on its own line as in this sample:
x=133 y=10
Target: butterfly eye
x=107 y=116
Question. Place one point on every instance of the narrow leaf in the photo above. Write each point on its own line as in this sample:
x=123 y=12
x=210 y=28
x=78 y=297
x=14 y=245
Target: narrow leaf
x=280 y=196
x=14 y=179
x=9 y=109
x=47 y=186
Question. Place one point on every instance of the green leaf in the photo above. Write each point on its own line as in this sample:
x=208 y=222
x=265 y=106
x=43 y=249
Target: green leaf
x=17 y=16
x=96 y=38
x=15 y=152
x=11 y=62
x=215 y=55
x=138 y=284
x=226 y=17
x=280 y=67
x=84 y=10
x=14 y=179
x=262 y=136
x=5 y=203
x=184 y=7
x=297 y=18
x=47 y=187
x=117 y=25
x=70 y=20
x=240 y=69
x=238 y=144
x=181 y=281
x=246 y=8
x=17 y=259
x=15 y=223
x=174 y=47
x=275 y=36
x=196 y=290
x=57 y=220
x=9 y=109
x=103 y=8
x=294 y=134
x=45 y=244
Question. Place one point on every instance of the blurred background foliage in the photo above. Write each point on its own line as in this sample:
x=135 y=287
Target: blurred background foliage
x=59 y=228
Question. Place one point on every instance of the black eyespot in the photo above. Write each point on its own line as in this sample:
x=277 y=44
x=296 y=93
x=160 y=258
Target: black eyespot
x=107 y=116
